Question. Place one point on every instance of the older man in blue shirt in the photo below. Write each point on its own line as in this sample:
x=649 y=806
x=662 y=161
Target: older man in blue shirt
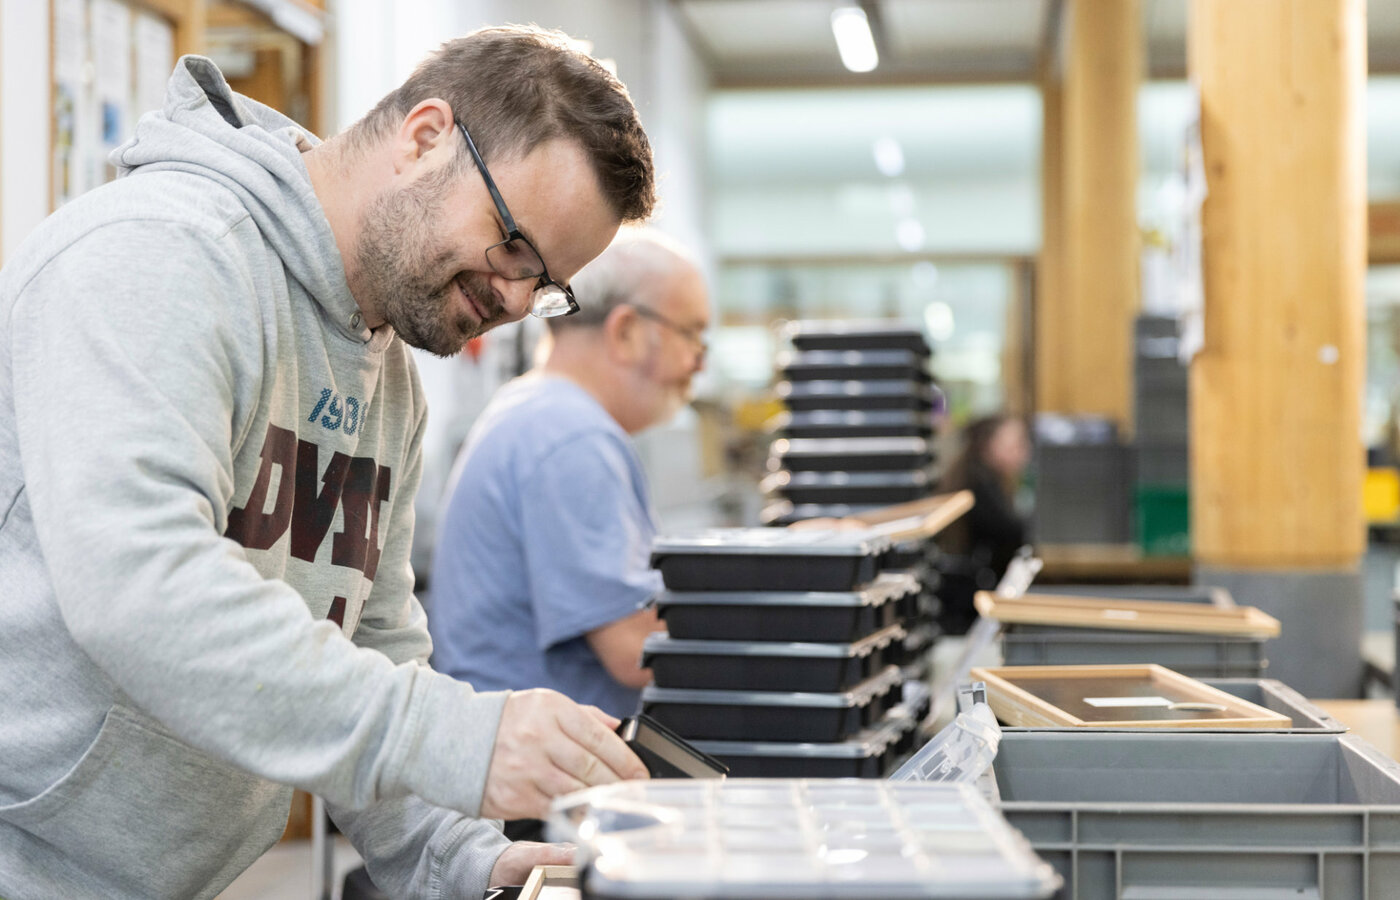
x=541 y=572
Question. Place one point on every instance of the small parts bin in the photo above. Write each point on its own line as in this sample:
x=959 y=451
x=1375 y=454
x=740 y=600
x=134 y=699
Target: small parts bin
x=872 y=753
x=874 y=488
x=859 y=365
x=851 y=335
x=862 y=454
x=770 y=665
x=773 y=715
x=844 y=423
x=911 y=395
x=806 y=616
x=767 y=559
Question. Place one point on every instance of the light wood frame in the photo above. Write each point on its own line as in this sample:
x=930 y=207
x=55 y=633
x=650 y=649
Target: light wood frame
x=1019 y=708
x=1127 y=615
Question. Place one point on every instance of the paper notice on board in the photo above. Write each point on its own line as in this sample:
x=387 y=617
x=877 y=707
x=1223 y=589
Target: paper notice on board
x=70 y=94
x=1128 y=702
x=111 y=62
x=155 y=57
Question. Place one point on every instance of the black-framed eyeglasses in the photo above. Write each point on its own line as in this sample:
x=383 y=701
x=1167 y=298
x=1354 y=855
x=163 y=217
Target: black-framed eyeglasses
x=515 y=258
x=693 y=335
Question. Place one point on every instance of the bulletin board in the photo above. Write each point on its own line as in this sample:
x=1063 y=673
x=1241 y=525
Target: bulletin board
x=110 y=62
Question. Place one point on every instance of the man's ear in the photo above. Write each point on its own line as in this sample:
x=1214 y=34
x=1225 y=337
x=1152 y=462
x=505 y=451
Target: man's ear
x=426 y=134
x=624 y=335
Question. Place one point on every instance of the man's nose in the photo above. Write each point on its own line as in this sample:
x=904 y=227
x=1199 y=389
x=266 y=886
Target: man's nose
x=516 y=294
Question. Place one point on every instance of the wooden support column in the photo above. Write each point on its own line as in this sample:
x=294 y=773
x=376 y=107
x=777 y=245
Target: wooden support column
x=1051 y=324
x=1277 y=458
x=1087 y=318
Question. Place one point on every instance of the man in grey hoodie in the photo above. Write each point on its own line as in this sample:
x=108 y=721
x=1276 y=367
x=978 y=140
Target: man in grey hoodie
x=209 y=447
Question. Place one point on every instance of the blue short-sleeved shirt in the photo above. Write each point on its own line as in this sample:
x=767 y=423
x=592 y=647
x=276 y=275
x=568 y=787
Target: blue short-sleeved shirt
x=547 y=535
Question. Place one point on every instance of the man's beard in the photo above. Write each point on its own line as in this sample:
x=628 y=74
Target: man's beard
x=393 y=260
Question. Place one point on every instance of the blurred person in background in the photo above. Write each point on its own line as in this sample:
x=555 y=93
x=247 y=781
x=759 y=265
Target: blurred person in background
x=542 y=571
x=995 y=452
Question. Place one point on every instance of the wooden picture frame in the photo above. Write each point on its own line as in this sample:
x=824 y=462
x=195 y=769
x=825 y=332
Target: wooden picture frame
x=917 y=518
x=551 y=883
x=1135 y=696
x=1127 y=615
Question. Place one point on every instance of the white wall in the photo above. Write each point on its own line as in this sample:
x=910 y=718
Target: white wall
x=24 y=120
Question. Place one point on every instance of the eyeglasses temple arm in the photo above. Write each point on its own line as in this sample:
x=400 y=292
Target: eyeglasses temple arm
x=506 y=217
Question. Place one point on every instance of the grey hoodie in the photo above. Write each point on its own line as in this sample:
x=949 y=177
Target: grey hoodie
x=207 y=468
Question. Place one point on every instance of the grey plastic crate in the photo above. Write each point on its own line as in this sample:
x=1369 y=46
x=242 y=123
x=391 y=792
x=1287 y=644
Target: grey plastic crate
x=1197 y=655
x=1206 y=817
x=1269 y=693
x=1083 y=494
x=1162 y=463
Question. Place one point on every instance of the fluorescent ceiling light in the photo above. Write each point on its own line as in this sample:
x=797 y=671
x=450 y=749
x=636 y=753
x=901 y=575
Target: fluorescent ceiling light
x=909 y=234
x=853 y=39
x=889 y=156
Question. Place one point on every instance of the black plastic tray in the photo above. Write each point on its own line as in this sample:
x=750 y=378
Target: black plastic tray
x=849 y=454
x=666 y=754
x=870 y=754
x=905 y=394
x=862 y=365
x=772 y=715
x=763 y=559
x=785 y=512
x=871 y=488
x=815 y=616
x=849 y=335
x=770 y=665
x=837 y=423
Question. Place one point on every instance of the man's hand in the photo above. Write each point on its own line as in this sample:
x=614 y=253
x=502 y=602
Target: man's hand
x=548 y=745
x=515 y=862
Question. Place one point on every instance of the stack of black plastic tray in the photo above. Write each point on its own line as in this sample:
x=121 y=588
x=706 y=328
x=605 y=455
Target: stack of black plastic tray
x=859 y=426
x=784 y=651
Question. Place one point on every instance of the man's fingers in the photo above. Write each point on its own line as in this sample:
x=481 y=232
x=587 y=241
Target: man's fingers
x=516 y=862
x=610 y=721
x=592 y=735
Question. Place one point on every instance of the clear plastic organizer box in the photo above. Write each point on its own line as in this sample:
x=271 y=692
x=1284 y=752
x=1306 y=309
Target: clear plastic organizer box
x=795 y=840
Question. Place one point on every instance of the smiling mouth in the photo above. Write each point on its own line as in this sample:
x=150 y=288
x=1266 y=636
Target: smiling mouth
x=472 y=302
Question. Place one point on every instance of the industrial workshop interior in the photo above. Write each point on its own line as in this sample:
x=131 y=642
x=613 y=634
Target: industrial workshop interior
x=972 y=470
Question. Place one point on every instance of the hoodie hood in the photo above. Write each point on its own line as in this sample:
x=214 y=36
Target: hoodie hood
x=206 y=129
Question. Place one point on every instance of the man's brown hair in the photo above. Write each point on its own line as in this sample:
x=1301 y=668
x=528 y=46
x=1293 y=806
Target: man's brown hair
x=515 y=87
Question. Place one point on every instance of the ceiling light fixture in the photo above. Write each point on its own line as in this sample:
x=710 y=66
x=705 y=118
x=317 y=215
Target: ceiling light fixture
x=889 y=156
x=854 y=41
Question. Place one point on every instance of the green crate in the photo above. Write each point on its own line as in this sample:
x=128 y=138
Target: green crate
x=1163 y=520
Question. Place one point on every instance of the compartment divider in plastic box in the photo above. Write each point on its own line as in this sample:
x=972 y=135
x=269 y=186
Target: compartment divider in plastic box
x=808 y=616
x=772 y=715
x=769 y=665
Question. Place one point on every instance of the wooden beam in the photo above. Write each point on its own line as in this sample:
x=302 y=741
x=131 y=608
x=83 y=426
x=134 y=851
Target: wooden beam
x=1383 y=233
x=1052 y=391
x=1099 y=283
x=1277 y=459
